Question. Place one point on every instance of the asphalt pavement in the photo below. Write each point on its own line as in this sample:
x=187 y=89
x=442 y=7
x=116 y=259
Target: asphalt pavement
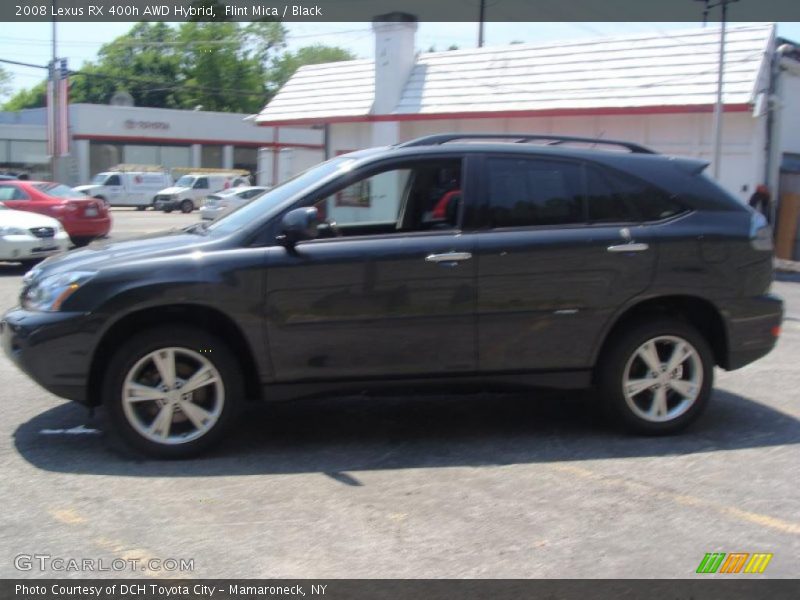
x=480 y=485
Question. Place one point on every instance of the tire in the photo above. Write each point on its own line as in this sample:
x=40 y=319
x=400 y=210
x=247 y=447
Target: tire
x=650 y=404
x=167 y=210
x=187 y=206
x=140 y=208
x=81 y=241
x=103 y=200
x=182 y=436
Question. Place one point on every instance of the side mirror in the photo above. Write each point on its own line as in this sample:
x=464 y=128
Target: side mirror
x=298 y=225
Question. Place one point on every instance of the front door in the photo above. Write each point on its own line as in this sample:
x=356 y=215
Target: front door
x=554 y=263
x=388 y=288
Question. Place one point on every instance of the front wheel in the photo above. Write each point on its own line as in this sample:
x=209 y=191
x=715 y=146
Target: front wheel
x=187 y=206
x=656 y=377
x=172 y=392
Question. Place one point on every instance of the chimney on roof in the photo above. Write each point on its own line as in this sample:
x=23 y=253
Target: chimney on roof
x=394 y=58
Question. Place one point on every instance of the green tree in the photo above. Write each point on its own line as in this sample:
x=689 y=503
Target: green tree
x=34 y=97
x=285 y=65
x=220 y=65
x=5 y=82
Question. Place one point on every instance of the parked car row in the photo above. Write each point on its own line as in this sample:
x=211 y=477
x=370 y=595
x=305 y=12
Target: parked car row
x=64 y=215
x=144 y=186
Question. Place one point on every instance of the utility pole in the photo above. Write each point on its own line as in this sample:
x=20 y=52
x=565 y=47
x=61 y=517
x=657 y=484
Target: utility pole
x=481 y=18
x=53 y=109
x=718 y=105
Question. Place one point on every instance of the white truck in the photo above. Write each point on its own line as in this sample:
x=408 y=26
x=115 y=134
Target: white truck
x=128 y=185
x=190 y=190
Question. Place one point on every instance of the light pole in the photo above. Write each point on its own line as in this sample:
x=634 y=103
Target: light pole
x=481 y=18
x=718 y=105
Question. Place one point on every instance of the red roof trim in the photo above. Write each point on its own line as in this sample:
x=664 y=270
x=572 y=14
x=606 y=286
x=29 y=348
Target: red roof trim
x=516 y=114
x=155 y=140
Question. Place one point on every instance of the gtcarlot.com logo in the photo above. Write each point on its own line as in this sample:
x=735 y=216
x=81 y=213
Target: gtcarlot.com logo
x=48 y=562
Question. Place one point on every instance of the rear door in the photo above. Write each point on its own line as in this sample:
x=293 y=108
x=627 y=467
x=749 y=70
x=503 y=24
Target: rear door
x=555 y=260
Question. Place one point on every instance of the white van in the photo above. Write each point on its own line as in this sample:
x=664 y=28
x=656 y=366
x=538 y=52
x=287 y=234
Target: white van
x=124 y=187
x=190 y=190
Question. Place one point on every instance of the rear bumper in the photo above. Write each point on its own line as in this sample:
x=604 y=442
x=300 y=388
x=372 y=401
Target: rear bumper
x=54 y=349
x=752 y=325
x=87 y=227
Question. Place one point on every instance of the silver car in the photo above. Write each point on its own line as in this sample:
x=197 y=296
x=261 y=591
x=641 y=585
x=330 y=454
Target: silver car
x=227 y=200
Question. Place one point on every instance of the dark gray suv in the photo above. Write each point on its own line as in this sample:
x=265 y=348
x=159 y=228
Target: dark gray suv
x=508 y=259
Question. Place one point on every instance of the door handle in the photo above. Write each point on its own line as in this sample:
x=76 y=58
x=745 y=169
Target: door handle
x=629 y=247
x=448 y=257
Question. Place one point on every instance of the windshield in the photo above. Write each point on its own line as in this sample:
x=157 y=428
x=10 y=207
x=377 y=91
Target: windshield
x=56 y=190
x=100 y=178
x=262 y=206
x=185 y=181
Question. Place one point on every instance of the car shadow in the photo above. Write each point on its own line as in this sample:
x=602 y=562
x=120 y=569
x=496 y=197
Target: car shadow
x=12 y=269
x=340 y=435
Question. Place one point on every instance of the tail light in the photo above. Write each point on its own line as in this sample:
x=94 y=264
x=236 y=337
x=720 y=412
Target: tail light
x=760 y=232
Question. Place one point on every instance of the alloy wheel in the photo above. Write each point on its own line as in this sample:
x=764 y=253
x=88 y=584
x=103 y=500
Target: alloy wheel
x=173 y=396
x=663 y=378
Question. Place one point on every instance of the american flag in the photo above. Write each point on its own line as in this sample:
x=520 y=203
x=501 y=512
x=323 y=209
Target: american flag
x=58 y=113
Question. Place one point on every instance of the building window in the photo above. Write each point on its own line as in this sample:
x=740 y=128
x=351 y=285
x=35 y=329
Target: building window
x=245 y=158
x=211 y=157
x=103 y=156
x=175 y=156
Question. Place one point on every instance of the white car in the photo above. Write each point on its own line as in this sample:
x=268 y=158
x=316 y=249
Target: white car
x=226 y=200
x=28 y=236
x=190 y=191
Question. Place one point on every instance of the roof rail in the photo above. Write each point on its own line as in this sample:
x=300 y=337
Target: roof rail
x=552 y=140
x=209 y=171
x=122 y=168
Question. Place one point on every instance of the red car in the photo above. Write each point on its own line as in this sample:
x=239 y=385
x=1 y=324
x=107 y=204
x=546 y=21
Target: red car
x=83 y=218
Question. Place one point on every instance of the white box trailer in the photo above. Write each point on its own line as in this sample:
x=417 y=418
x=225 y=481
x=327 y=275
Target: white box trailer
x=128 y=185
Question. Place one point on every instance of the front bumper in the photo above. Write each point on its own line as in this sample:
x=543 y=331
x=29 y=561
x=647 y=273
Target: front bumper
x=753 y=324
x=26 y=247
x=54 y=349
x=166 y=205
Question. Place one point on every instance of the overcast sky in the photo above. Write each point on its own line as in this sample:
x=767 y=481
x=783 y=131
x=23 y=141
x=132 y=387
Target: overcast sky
x=79 y=42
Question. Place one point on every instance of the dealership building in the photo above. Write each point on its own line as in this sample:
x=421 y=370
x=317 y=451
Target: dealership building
x=102 y=136
x=658 y=90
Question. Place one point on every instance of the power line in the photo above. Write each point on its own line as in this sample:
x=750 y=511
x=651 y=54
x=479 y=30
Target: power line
x=144 y=81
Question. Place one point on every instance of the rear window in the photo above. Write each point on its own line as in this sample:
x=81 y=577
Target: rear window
x=614 y=197
x=57 y=190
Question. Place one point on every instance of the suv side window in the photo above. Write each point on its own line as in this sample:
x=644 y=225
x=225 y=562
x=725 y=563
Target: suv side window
x=201 y=183
x=527 y=192
x=417 y=196
x=647 y=202
x=608 y=203
x=113 y=180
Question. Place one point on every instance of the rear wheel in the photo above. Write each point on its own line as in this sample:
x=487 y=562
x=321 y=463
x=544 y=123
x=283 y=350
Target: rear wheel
x=656 y=377
x=187 y=206
x=172 y=393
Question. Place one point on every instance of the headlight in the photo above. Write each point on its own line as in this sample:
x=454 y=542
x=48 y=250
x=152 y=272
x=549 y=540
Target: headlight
x=13 y=231
x=50 y=293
